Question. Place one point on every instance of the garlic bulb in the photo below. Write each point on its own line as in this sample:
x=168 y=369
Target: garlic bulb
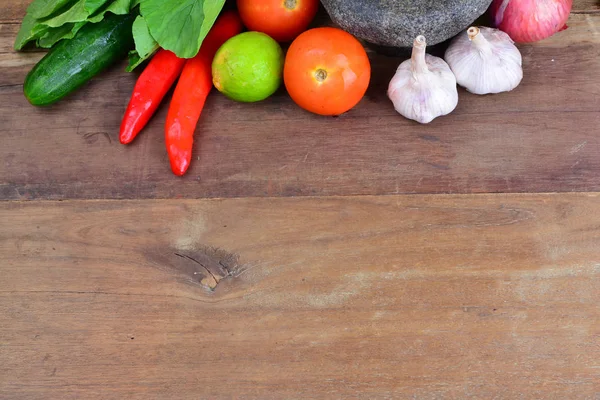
x=485 y=60
x=423 y=87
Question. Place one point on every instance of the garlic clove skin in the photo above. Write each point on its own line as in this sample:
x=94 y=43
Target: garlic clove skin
x=485 y=61
x=423 y=87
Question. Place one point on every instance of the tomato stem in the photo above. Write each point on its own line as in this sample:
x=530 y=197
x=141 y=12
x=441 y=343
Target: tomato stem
x=321 y=75
x=290 y=4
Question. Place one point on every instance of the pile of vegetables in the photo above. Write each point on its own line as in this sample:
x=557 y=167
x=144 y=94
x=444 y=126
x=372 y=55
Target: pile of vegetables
x=325 y=70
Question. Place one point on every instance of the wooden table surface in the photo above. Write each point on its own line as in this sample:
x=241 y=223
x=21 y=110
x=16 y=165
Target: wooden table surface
x=359 y=257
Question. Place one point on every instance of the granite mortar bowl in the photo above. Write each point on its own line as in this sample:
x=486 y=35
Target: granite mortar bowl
x=396 y=23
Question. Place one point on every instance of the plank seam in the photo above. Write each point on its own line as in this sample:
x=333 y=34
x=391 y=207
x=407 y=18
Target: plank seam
x=332 y=197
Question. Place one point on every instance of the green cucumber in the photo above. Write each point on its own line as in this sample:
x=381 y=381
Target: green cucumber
x=72 y=63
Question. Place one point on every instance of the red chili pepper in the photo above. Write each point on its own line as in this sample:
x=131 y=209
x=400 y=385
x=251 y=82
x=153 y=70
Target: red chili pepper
x=191 y=92
x=150 y=88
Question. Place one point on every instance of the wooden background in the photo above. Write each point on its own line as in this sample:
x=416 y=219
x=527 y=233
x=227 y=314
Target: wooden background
x=359 y=257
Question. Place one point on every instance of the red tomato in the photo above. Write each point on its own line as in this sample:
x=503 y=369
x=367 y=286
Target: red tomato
x=283 y=20
x=326 y=71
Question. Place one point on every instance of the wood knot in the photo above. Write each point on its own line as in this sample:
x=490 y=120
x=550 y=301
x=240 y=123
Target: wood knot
x=206 y=265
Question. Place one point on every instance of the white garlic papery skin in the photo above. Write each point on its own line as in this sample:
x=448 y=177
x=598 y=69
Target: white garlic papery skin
x=485 y=61
x=423 y=87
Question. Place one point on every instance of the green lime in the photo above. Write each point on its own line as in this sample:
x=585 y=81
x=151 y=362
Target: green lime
x=248 y=67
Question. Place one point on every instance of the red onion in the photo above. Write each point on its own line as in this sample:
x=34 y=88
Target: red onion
x=528 y=21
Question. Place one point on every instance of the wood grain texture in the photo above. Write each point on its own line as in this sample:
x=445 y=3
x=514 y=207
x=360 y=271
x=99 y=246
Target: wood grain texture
x=428 y=297
x=586 y=6
x=368 y=297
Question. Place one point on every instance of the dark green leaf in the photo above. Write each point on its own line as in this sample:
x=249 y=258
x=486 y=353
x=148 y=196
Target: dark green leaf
x=134 y=61
x=180 y=25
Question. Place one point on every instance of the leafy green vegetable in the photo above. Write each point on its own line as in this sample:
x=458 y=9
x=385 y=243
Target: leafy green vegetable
x=30 y=30
x=176 y=25
x=76 y=13
x=41 y=9
x=49 y=21
x=91 y=6
x=145 y=45
x=54 y=35
x=118 y=7
x=180 y=25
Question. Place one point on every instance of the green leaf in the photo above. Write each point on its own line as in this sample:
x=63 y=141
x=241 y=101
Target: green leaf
x=49 y=21
x=118 y=7
x=134 y=61
x=76 y=13
x=30 y=30
x=91 y=6
x=54 y=35
x=144 y=42
x=212 y=9
x=145 y=45
x=40 y=9
x=90 y=11
x=180 y=25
